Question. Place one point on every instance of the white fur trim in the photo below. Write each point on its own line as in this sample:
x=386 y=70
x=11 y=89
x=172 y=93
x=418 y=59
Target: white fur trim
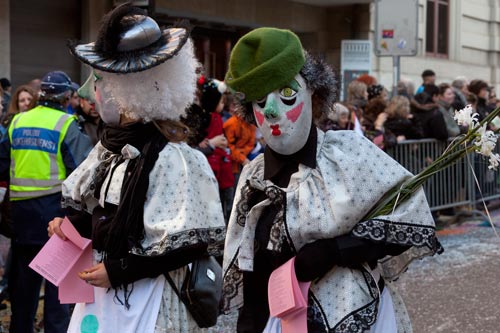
x=162 y=92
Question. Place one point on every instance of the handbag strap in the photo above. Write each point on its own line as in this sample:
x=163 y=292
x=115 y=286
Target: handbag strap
x=174 y=287
x=172 y=284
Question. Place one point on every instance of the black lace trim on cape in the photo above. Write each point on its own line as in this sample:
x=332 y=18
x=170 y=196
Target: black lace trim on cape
x=232 y=283
x=316 y=317
x=399 y=233
x=67 y=202
x=362 y=319
x=357 y=321
x=214 y=237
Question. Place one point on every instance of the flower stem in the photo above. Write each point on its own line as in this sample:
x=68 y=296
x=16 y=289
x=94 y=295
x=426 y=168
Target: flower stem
x=451 y=155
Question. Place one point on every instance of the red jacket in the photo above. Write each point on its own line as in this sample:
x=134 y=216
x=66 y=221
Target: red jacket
x=219 y=160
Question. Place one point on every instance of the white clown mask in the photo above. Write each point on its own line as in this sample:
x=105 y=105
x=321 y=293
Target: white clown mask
x=106 y=104
x=92 y=91
x=284 y=116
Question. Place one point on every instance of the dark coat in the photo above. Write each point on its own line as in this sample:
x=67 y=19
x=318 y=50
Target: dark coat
x=407 y=127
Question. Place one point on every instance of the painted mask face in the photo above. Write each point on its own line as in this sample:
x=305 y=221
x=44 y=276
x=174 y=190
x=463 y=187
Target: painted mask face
x=284 y=117
x=92 y=90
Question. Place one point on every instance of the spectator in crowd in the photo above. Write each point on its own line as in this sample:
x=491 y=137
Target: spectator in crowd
x=240 y=137
x=226 y=110
x=427 y=114
x=328 y=121
x=197 y=120
x=357 y=97
x=5 y=229
x=406 y=88
x=373 y=88
x=87 y=116
x=35 y=84
x=373 y=123
x=336 y=119
x=35 y=195
x=219 y=158
x=480 y=89
x=1 y=100
x=460 y=88
x=492 y=100
x=367 y=79
x=421 y=103
x=428 y=77
x=444 y=100
x=400 y=122
x=203 y=127
x=306 y=198
x=161 y=209
x=260 y=147
x=377 y=90
x=343 y=117
x=472 y=100
x=74 y=102
x=7 y=88
x=24 y=99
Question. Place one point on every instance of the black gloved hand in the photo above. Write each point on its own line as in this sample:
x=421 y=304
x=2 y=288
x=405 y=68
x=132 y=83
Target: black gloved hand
x=315 y=259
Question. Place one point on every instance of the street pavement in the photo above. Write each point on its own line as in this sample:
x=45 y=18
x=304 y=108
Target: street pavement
x=457 y=291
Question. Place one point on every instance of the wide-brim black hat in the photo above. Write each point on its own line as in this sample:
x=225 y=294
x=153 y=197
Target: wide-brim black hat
x=130 y=41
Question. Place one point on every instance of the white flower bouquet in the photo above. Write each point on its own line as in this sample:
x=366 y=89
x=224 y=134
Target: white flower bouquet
x=477 y=139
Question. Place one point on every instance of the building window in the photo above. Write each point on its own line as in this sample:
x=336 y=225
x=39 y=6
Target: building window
x=437 y=28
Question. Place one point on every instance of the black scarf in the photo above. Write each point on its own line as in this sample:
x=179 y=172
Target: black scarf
x=126 y=229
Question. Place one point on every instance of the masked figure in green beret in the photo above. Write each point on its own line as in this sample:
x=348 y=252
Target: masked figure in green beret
x=306 y=197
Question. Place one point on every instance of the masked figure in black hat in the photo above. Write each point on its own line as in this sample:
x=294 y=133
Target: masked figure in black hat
x=149 y=202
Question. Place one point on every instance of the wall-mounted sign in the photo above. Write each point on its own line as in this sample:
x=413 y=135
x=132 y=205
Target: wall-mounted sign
x=396 y=27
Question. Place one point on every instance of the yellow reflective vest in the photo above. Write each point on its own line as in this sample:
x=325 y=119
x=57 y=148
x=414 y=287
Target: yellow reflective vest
x=36 y=163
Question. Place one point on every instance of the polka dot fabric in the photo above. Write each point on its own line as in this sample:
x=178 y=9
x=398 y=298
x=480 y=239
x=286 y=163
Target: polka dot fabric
x=182 y=205
x=352 y=175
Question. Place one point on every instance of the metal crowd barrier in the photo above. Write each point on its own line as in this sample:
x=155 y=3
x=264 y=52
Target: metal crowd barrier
x=454 y=186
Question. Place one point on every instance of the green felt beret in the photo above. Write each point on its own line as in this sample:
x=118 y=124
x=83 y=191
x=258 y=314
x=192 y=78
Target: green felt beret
x=263 y=60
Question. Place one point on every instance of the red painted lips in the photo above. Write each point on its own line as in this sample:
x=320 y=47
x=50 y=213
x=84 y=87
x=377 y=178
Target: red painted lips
x=276 y=130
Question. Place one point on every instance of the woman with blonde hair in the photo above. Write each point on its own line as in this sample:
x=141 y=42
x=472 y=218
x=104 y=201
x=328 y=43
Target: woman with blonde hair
x=357 y=95
x=357 y=98
x=400 y=121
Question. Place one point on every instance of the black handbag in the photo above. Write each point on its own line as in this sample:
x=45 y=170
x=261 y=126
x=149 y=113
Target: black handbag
x=201 y=290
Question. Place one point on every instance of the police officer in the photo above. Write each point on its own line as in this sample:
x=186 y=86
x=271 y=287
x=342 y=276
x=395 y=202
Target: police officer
x=43 y=146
